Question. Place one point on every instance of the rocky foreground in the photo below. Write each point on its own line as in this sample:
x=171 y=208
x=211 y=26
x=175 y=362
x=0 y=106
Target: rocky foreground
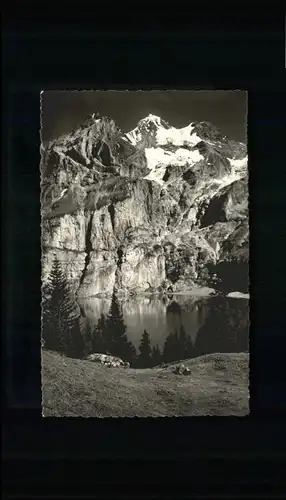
x=215 y=384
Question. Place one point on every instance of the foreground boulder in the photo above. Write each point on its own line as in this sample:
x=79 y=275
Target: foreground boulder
x=106 y=359
x=182 y=370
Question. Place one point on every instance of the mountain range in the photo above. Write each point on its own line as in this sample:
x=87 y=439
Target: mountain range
x=152 y=210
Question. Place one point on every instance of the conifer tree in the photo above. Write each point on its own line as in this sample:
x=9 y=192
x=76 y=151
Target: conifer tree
x=114 y=335
x=60 y=322
x=178 y=346
x=214 y=331
x=167 y=350
x=185 y=348
x=87 y=334
x=156 y=357
x=98 y=342
x=145 y=350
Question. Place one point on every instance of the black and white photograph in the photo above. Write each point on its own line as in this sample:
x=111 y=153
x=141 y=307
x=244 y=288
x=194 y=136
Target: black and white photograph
x=145 y=253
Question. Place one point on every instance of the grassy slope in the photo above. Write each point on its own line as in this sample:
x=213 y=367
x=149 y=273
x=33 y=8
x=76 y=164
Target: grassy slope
x=218 y=385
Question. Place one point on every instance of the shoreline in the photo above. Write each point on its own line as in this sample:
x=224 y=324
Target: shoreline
x=193 y=292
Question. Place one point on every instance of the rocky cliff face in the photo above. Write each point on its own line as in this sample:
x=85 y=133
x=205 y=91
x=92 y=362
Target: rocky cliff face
x=158 y=207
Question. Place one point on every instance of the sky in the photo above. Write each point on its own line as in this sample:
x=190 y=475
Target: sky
x=64 y=110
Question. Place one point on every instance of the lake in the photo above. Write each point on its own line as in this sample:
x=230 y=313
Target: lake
x=151 y=330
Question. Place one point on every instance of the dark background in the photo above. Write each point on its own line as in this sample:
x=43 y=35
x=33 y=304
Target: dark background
x=64 y=110
x=243 y=48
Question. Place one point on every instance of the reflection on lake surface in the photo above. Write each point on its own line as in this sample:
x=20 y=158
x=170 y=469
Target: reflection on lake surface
x=147 y=331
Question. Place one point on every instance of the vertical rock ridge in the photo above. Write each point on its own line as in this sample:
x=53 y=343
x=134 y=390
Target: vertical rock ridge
x=111 y=212
x=88 y=248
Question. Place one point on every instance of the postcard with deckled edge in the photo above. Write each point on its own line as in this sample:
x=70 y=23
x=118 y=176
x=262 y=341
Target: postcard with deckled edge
x=145 y=251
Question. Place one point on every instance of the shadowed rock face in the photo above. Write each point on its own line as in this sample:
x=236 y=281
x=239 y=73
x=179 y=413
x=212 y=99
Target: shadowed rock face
x=132 y=213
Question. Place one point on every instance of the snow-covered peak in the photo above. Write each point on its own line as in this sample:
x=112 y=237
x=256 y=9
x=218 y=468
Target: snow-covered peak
x=153 y=119
x=147 y=126
x=163 y=133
